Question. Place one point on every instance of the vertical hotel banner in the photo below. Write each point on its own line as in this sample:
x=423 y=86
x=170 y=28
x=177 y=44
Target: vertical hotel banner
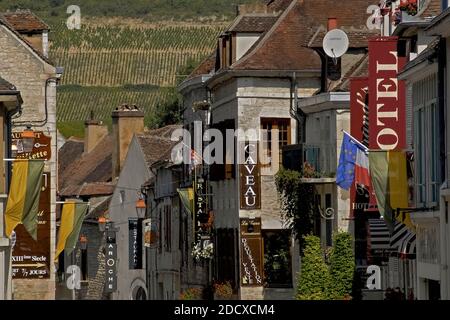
x=387 y=103
x=387 y=118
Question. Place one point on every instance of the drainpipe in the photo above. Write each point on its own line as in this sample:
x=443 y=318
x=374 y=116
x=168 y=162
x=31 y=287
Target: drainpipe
x=442 y=82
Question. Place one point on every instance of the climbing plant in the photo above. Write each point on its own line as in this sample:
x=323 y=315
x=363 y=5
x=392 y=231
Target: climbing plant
x=297 y=201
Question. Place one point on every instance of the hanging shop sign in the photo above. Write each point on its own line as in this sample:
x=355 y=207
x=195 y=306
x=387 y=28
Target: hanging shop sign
x=250 y=178
x=31 y=259
x=387 y=103
x=361 y=199
x=201 y=206
x=252 y=263
x=41 y=149
x=135 y=244
x=150 y=233
x=110 y=267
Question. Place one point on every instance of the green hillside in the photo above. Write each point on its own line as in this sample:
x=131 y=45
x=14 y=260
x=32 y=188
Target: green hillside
x=147 y=9
x=127 y=51
x=109 y=63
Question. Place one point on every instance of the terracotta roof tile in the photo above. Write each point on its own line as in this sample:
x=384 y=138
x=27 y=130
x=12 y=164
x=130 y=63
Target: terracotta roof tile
x=433 y=9
x=359 y=69
x=282 y=48
x=89 y=189
x=278 y=5
x=24 y=21
x=253 y=23
x=357 y=39
x=95 y=166
x=4 y=21
x=156 y=144
x=205 y=67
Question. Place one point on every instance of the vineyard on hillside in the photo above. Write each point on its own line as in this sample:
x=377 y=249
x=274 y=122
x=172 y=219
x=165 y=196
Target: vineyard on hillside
x=113 y=56
x=109 y=65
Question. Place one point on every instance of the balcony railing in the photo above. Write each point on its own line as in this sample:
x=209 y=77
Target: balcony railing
x=320 y=159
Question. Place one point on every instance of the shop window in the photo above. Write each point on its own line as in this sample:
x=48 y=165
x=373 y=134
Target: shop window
x=167 y=228
x=270 y=127
x=277 y=258
x=84 y=265
x=226 y=169
x=226 y=255
x=426 y=146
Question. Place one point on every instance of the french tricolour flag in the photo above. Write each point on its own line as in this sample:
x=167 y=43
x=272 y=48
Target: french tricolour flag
x=353 y=163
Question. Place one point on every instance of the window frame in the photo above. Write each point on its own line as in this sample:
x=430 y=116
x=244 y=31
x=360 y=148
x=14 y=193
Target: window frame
x=275 y=125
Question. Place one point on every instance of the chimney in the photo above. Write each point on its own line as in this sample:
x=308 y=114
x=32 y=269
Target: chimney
x=94 y=132
x=332 y=23
x=126 y=121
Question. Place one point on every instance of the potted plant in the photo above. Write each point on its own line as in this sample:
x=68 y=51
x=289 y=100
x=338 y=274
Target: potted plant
x=409 y=6
x=191 y=294
x=223 y=291
x=203 y=251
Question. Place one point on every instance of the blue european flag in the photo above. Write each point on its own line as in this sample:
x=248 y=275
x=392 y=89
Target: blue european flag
x=346 y=169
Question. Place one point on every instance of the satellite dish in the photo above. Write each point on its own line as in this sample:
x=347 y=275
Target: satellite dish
x=335 y=43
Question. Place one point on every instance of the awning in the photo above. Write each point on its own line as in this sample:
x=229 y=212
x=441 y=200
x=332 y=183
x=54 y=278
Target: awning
x=403 y=242
x=379 y=235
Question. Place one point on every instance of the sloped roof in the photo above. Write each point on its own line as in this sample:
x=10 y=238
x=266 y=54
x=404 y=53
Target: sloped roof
x=88 y=189
x=4 y=21
x=282 y=47
x=278 y=5
x=156 y=144
x=25 y=21
x=433 y=9
x=205 y=67
x=253 y=23
x=6 y=86
x=357 y=38
x=95 y=166
x=359 y=69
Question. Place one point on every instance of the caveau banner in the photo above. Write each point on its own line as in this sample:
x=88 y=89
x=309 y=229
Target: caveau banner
x=387 y=103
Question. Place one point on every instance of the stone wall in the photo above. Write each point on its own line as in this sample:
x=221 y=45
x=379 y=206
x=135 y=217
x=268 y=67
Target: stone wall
x=28 y=72
x=248 y=100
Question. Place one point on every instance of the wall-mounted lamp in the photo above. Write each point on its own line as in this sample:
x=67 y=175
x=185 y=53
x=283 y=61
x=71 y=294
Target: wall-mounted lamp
x=28 y=139
x=83 y=242
x=102 y=221
x=141 y=208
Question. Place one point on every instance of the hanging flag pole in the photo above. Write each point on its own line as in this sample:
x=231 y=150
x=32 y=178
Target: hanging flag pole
x=356 y=141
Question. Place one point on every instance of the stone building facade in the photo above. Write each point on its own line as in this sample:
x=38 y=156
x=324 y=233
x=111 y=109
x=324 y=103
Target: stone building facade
x=26 y=65
x=258 y=89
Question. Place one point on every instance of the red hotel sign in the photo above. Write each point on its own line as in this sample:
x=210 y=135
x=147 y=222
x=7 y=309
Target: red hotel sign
x=387 y=116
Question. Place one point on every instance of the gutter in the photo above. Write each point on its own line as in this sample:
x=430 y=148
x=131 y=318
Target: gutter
x=227 y=74
x=325 y=101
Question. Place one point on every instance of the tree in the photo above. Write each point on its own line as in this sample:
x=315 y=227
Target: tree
x=314 y=279
x=168 y=112
x=342 y=266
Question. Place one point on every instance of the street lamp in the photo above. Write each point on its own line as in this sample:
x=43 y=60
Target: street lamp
x=28 y=139
x=83 y=242
x=102 y=221
x=140 y=208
